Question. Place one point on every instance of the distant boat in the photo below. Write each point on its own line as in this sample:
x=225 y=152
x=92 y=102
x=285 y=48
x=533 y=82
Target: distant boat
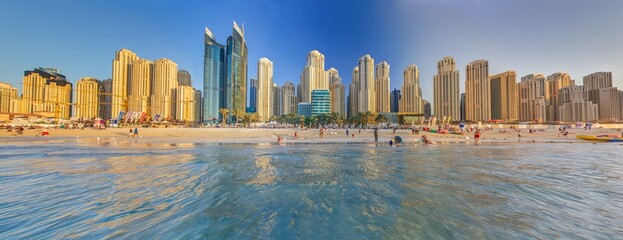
x=601 y=138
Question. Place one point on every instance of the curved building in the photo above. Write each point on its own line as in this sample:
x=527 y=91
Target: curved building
x=213 y=77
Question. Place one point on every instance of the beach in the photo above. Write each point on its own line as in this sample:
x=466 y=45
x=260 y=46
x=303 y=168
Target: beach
x=270 y=135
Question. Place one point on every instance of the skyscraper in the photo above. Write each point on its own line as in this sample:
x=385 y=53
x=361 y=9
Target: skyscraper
x=411 y=92
x=313 y=76
x=164 y=89
x=183 y=78
x=46 y=90
x=321 y=102
x=7 y=94
x=338 y=98
x=446 y=89
x=87 y=98
x=186 y=104
x=253 y=95
x=353 y=93
x=105 y=99
x=236 y=72
x=553 y=83
x=120 y=77
x=381 y=87
x=477 y=91
x=395 y=99
x=288 y=99
x=532 y=105
x=213 y=78
x=427 y=109
x=574 y=105
x=139 y=85
x=600 y=91
x=366 y=97
x=276 y=96
x=504 y=96
x=264 y=89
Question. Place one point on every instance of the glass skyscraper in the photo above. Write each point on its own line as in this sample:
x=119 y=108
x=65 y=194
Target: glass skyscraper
x=224 y=75
x=321 y=102
x=213 y=78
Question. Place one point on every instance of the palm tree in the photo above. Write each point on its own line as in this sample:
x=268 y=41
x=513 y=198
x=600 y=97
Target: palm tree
x=224 y=112
x=254 y=117
x=238 y=114
x=381 y=118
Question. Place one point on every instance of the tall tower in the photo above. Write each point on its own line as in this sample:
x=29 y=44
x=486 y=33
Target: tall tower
x=288 y=98
x=446 y=89
x=141 y=74
x=553 y=83
x=381 y=87
x=236 y=71
x=253 y=95
x=120 y=77
x=477 y=91
x=531 y=94
x=46 y=90
x=367 y=101
x=313 y=76
x=354 y=93
x=7 y=94
x=411 y=100
x=504 y=98
x=213 y=78
x=87 y=98
x=164 y=88
x=337 y=92
x=264 y=89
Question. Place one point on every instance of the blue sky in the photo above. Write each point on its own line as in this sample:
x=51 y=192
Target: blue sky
x=528 y=36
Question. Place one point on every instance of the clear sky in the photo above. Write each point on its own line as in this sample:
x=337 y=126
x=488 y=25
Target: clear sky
x=528 y=36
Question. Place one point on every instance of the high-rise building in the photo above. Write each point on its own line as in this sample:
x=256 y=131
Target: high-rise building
x=427 y=109
x=120 y=77
x=276 y=95
x=164 y=89
x=574 y=105
x=338 y=98
x=313 y=76
x=198 y=106
x=304 y=109
x=353 y=92
x=105 y=99
x=264 y=89
x=477 y=91
x=87 y=98
x=186 y=104
x=236 y=72
x=381 y=87
x=321 y=102
x=411 y=91
x=446 y=89
x=253 y=95
x=504 y=96
x=553 y=83
x=183 y=78
x=601 y=92
x=288 y=99
x=531 y=91
x=139 y=86
x=394 y=100
x=46 y=90
x=462 y=107
x=366 y=96
x=213 y=78
x=7 y=94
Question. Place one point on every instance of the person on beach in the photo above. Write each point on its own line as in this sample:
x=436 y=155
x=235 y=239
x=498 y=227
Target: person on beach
x=347 y=132
x=519 y=134
x=477 y=135
x=278 y=139
x=135 y=132
x=131 y=134
x=376 y=135
x=45 y=132
x=296 y=135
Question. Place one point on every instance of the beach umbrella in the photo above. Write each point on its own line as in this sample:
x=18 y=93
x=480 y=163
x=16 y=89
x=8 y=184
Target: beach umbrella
x=397 y=139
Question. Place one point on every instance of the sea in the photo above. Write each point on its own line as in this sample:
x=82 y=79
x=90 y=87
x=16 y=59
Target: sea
x=135 y=190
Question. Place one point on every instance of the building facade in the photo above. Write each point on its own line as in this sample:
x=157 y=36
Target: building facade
x=183 y=78
x=236 y=55
x=253 y=94
x=105 y=94
x=504 y=98
x=288 y=99
x=553 y=83
x=7 y=94
x=276 y=95
x=531 y=91
x=313 y=76
x=574 y=105
x=45 y=90
x=446 y=89
x=394 y=100
x=139 y=86
x=304 y=109
x=477 y=91
x=353 y=92
x=381 y=87
x=601 y=92
x=338 y=95
x=186 y=104
x=164 y=89
x=120 y=80
x=321 y=102
x=411 y=91
x=264 y=89
x=366 y=97
x=87 y=98
x=213 y=78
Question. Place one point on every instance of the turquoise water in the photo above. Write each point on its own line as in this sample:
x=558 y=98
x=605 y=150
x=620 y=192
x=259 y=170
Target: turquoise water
x=73 y=190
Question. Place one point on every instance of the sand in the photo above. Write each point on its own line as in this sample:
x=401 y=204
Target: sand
x=310 y=136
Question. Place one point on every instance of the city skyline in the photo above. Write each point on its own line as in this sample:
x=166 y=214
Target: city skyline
x=405 y=38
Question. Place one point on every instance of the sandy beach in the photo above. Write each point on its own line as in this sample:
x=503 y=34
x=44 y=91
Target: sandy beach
x=309 y=136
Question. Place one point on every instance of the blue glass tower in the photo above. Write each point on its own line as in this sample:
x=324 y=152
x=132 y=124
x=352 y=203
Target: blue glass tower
x=236 y=72
x=213 y=78
x=321 y=102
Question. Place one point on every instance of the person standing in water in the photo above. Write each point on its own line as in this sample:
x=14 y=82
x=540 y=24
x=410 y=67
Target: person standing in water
x=376 y=135
x=477 y=135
